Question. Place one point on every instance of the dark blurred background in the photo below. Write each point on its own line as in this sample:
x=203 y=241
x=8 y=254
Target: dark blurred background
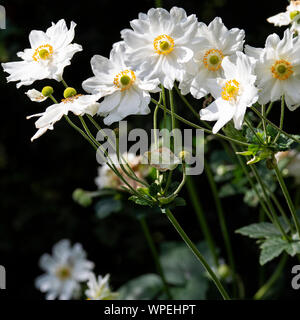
x=37 y=179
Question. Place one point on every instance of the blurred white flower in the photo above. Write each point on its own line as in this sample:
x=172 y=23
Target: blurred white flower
x=278 y=69
x=65 y=269
x=108 y=179
x=290 y=16
x=35 y=95
x=50 y=53
x=207 y=61
x=98 y=289
x=292 y=167
x=78 y=104
x=161 y=158
x=233 y=94
x=123 y=90
x=160 y=43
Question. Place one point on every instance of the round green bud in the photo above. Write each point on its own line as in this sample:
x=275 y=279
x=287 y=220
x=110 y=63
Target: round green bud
x=125 y=80
x=293 y=14
x=164 y=45
x=47 y=91
x=82 y=197
x=214 y=60
x=224 y=271
x=69 y=92
x=43 y=54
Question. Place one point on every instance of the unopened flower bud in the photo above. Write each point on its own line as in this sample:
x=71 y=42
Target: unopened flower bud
x=69 y=92
x=224 y=271
x=82 y=197
x=47 y=91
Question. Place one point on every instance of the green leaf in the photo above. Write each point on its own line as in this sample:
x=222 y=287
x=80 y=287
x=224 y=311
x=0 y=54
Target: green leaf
x=272 y=248
x=195 y=289
x=180 y=265
x=259 y=230
x=105 y=207
x=145 y=287
x=177 y=202
x=140 y=201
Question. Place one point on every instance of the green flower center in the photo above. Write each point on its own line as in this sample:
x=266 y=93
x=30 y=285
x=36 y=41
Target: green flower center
x=164 y=45
x=281 y=69
x=214 y=60
x=125 y=80
x=293 y=14
x=44 y=54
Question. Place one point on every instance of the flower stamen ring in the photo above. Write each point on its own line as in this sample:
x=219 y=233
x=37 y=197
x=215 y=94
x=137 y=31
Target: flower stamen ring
x=43 y=52
x=230 y=90
x=282 y=70
x=213 y=59
x=125 y=79
x=163 y=44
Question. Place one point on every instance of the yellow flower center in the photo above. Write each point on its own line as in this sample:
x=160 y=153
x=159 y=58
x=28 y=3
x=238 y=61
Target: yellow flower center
x=43 y=52
x=63 y=273
x=282 y=70
x=212 y=59
x=230 y=90
x=125 y=79
x=163 y=44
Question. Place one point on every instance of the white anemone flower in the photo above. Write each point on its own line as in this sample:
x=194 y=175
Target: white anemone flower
x=124 y=92
x=98 y=289
x=233 y=94
x=207 y=61
x=35 y=95
x=160 y=43
x=65 y=269
x=290 y=16
x=50 y=53
x=278 y=69
x=78 y=104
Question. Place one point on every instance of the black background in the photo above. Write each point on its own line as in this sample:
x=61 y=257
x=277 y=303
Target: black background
x=37 y=179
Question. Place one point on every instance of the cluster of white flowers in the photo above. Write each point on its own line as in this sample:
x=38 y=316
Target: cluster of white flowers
x=160 y=48
x=66 y=269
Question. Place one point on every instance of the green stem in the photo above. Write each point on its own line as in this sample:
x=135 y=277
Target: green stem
x=81 y=132
x=163 y=94
x=221 y=217
x=191 y=124
x=253 y=131
x=266 y=114
x=281 y=118
x=274 y=125
x=263 y=112
x=201 y=218
x=269 y=203
x=266 y=287
x=287 y=197
x=64 y=83
x=196 y=252
x=253 y=186
x=155 y=255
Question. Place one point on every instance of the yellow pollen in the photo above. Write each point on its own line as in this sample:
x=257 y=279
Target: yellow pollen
x=212 y=59
x=294 y=14
x=125 y=79
x=43 y=52
x=163 y=44
x=71 y=99
x=282 y=70
x=230 y=90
